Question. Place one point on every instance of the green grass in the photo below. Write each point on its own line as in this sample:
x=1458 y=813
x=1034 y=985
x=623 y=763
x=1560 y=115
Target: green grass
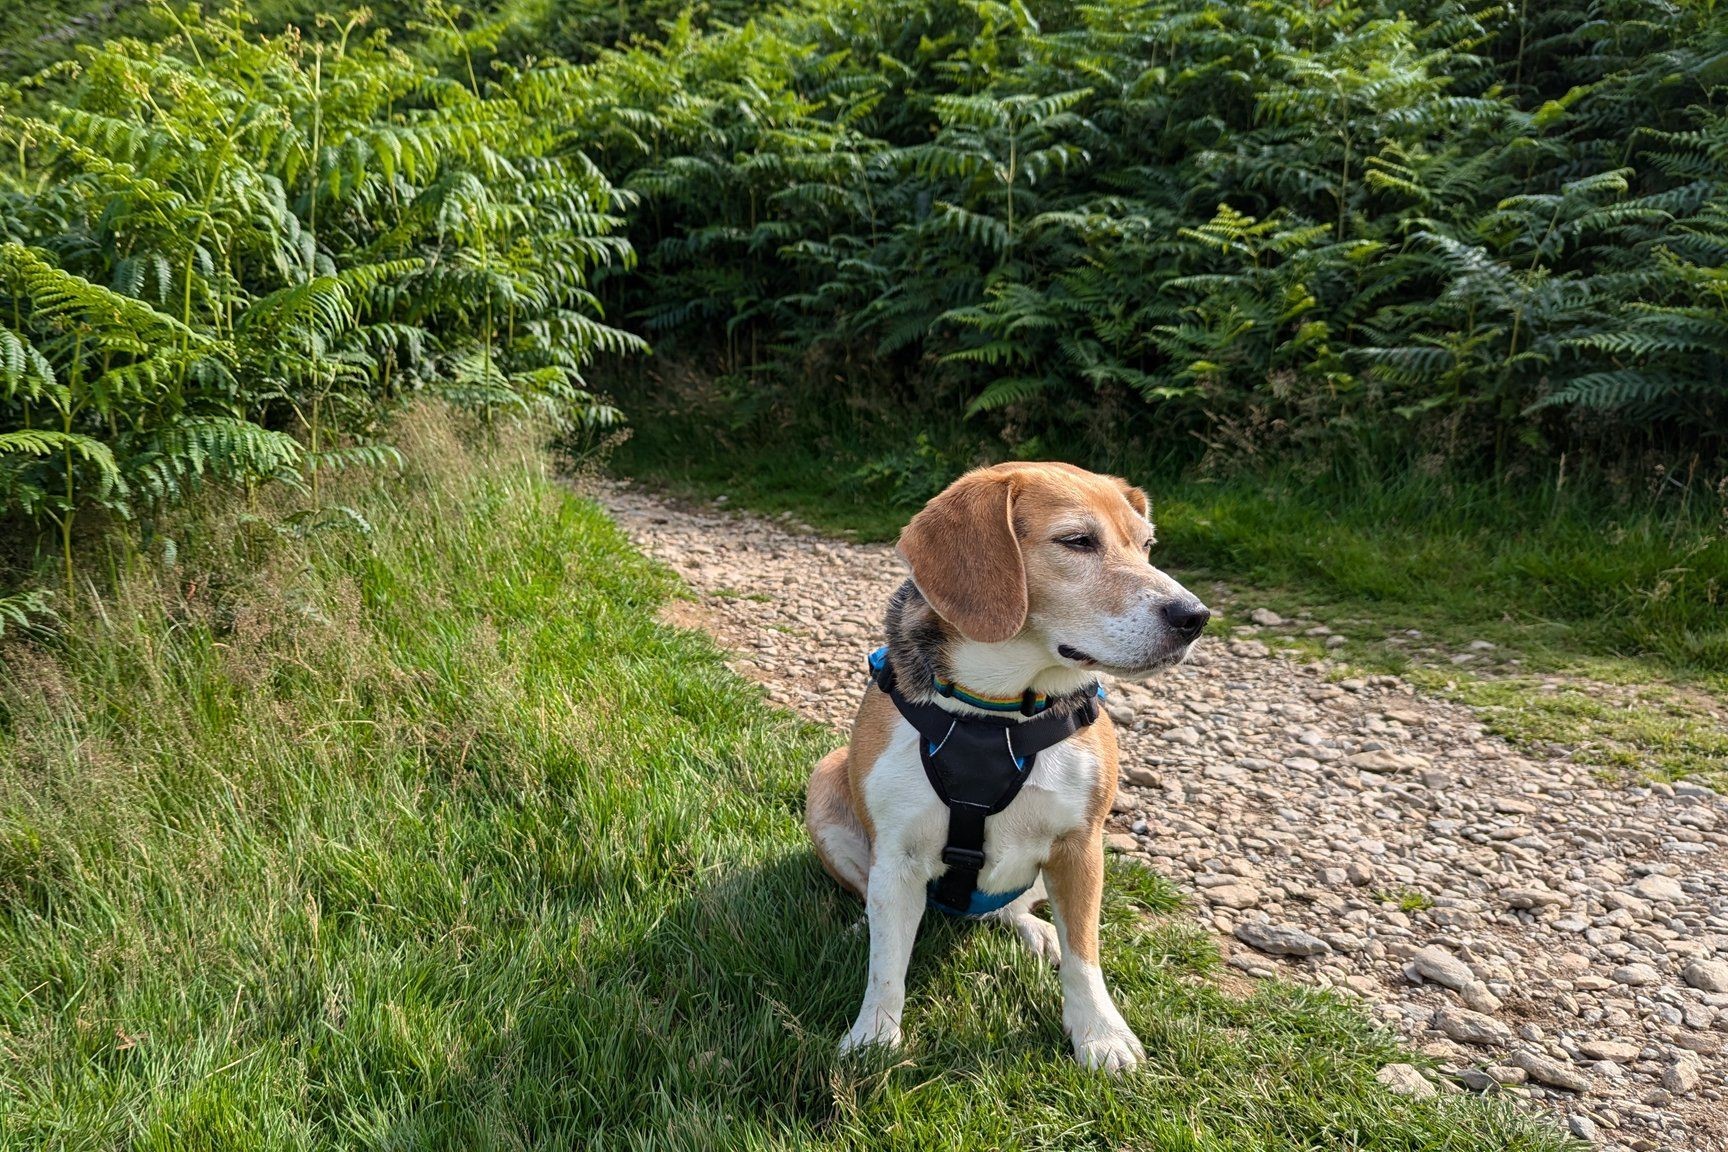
x=436 y=838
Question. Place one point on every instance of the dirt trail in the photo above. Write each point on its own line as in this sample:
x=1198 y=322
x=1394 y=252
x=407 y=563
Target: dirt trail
x=1539 y=932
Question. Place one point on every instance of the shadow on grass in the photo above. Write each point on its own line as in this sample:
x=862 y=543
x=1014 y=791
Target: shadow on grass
x=713 y=1023
x=710 y=1022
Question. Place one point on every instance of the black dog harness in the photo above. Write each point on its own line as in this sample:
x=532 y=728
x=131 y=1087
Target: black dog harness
x=977 y=765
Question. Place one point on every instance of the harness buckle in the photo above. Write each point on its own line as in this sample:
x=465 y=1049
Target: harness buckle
x=957 y=857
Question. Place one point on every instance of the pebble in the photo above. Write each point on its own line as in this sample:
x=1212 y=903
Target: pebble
x=1534 y=898
x=1405 y=1080
x=1681 y=1076
x=1436 y=964
x=1551 y=1072
x=1617 y=1051
x=1370 y=821
x=1636 y=975
x=1469 y=1027
x=1707 y=975
x=1660 y=889
x=1280 y=939
x=1233 y=895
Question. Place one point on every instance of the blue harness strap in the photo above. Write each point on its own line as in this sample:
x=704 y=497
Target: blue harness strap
x=976 y=765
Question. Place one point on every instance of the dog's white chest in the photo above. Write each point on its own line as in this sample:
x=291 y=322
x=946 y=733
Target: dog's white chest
x=911 y=821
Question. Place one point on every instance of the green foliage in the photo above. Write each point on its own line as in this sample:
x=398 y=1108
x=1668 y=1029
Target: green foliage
x=220 y=259
x=1269 y=226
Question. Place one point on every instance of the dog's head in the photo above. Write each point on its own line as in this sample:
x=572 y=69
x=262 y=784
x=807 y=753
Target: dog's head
x=1056 y=555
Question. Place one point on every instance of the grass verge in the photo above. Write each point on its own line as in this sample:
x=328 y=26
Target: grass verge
x=436 y=837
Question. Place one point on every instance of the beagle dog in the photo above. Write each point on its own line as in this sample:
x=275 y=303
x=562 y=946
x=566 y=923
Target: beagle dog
x=1029 y=581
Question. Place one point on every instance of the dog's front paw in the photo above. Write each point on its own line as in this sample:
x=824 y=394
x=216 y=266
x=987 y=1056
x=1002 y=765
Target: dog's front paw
x=874 y=1031
x=1116 y=1050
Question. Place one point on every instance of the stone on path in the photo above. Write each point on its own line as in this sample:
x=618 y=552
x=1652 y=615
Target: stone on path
x=1405 y=1080
x=1469 y=1027
x=1233 y=895
x=1660 y=889
x=1280 y=939
x=1617 y=1051
x=1551 y=1072
x=1682 y=1076
x=1636 y=975
x=1707 y=975
x=1440 y=966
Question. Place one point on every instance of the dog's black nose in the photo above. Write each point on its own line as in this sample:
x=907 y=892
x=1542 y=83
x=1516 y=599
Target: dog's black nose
x=1187 y=617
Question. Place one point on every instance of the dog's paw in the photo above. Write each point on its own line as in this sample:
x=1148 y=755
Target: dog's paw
x=1114 y=1051
x=1039 y=936
x=871 y=1034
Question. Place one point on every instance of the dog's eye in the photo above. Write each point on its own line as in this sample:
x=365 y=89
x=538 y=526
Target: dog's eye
x=1080 y=542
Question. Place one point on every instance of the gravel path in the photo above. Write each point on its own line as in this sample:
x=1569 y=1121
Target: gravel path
x=1538 y=932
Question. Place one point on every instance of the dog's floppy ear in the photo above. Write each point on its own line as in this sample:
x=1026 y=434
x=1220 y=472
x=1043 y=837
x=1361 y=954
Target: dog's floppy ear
x=965 y=557
x=1136 y=497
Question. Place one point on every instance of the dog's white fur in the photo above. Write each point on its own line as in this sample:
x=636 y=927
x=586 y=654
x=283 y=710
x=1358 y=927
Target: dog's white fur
x=879 y=827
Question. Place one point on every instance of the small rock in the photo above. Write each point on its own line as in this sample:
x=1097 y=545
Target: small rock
x=1660 y=889
x=1404 y=1080
x=1477 y=1080
x=1280 y=939
x=1384 y=762
x=1551 y=1072
x=1617 y=1051
x=1581 y=1126
x=1233 y=895
x=1635 y=975
x=1265 y=617
x=1706 y=975
x=1700 y=1042
x=1121 y=842
x=1681 y=1076
x=1436 y=964
x=1469 y=1027
x=1185 y=734
x=1534 y=898
x=1141 y=776
x=1479 y=998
